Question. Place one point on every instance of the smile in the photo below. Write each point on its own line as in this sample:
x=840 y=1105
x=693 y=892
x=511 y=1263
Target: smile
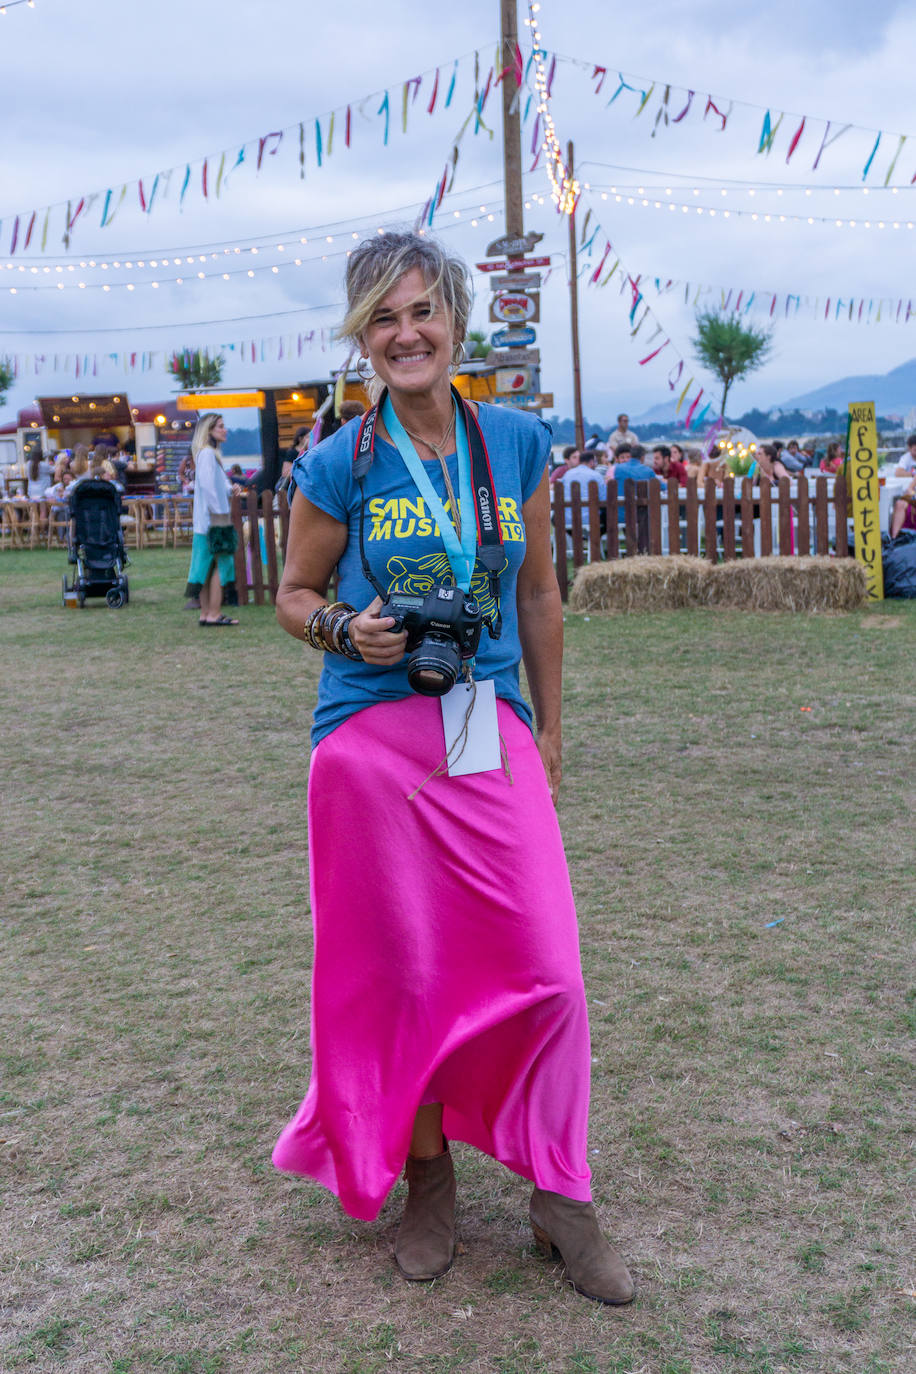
x=407 y=358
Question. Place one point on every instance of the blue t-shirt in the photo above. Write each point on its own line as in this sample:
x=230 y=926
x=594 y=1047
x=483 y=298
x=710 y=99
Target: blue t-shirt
x=637 y=470
x=406 y=552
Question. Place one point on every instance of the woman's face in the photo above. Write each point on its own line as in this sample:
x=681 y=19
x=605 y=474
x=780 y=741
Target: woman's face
x=218 y=430
x=677 y=453
x=409 y=339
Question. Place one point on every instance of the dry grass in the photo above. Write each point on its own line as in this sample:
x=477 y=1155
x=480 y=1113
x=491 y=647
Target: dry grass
x=752 y=1116
x=639 y=584
x=789 y=584
x=761 y=584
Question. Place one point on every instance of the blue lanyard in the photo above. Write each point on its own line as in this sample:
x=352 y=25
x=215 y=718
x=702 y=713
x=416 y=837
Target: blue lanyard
x=461 y=553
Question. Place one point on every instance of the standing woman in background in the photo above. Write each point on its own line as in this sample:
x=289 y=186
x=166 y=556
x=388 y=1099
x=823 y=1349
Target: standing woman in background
x=212 y=568
x=447 y=991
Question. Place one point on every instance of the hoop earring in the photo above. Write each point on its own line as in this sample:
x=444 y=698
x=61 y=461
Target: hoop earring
x=364 y=369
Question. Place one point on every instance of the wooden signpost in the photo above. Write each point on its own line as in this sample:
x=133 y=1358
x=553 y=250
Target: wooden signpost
x=862 y=481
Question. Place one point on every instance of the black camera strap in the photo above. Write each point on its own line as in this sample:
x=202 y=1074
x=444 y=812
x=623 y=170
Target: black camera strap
x=486 y=510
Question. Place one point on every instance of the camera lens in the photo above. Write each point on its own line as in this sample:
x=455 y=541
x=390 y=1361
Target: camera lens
x=434 y=665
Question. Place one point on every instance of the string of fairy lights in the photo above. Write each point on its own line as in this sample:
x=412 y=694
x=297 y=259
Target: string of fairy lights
x=330 y=246
x=647 y=199
x=564 y=188
x=11 y=4
x=314 y=234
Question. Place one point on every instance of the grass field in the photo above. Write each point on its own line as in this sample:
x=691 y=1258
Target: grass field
x=752 y=1122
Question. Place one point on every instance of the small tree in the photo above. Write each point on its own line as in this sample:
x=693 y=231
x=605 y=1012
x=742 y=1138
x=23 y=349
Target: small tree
x=476 y=344
x=193 y=367
x=7 y=377
x=729 y=348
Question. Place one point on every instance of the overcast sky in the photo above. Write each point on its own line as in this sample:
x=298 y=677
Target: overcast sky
x=106 y=93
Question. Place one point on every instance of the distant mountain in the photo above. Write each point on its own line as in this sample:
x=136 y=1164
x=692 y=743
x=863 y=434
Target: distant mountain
x=663 y=414
x=893 y=392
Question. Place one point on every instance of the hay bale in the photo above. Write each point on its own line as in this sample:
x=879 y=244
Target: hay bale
x=788 y=584
x=669 y=582
x=660 y=583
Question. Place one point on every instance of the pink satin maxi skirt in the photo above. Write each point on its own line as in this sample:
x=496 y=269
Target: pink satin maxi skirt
x=446 y=962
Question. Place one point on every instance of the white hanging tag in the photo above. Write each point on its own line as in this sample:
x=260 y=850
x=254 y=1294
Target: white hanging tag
x=480 y=751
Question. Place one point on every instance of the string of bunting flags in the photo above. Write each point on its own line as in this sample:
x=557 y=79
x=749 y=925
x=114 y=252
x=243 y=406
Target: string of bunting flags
x=855 y=308
x=655 y=341
x=310 y=143
x=79 y=364
x=661 y=104
x=789 y=304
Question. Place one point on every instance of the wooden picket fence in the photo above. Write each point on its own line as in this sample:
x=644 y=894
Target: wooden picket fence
x=262 y=527
x=716 y=523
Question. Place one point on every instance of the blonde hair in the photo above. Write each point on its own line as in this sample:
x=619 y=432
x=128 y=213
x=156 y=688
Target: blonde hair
x=202 y=433
x=79 y=463
x=379 y=263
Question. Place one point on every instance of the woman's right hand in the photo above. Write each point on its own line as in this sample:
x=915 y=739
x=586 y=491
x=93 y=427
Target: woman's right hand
x=371 y=634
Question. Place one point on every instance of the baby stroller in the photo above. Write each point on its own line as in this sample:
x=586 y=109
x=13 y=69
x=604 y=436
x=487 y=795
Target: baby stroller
x=95 y=544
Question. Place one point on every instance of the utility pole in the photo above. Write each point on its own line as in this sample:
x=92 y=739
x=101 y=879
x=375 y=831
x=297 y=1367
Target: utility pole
x=574 y=313
x=512 y=124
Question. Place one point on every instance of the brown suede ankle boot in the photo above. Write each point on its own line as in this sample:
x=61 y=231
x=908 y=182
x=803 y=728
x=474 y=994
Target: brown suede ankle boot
x=569 y=1230
x=425 y=1245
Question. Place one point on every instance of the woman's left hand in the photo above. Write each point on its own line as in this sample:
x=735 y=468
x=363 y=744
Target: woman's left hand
x=550 y=748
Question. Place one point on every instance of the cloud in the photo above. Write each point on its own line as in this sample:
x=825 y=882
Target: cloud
x=815 y=27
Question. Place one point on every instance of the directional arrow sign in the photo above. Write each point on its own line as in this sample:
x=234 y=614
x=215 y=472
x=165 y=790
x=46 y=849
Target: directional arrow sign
x=496 y=265
x=530 y=281
x=513 y=246
x=514 y=357
x=511 y=338
x=528 y=262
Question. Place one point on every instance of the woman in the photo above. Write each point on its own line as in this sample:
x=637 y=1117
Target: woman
x=40 y=475
x=447 y=992
x=212 y=568
x=677 y=467
x=835 y=457
x=79 y=464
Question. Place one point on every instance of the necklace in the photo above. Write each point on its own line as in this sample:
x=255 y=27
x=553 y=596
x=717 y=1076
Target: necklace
x=439 y=450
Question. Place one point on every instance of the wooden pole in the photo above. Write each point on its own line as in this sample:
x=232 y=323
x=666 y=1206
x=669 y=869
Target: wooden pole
x=574 y=314
x=512 y=125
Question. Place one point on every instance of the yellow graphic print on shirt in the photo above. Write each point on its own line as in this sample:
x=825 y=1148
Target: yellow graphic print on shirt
x=417 y=576
x=405 y=517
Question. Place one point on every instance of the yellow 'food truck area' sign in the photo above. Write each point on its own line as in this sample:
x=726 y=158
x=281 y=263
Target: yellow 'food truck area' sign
x=863 y=490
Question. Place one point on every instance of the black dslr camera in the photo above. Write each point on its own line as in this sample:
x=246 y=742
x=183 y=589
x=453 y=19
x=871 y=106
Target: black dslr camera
x=443 y=628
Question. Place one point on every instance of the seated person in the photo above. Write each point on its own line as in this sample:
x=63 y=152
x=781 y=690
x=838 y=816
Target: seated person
x=835 y=457
x=906 y=463
x=903 y=516
x=714 y=466
x=105 y=470
x=770 y=464
x=629 y=463
x=793 y=460
x=58 y=492
x=692 y=460
x=667 y=466
x=582 y=476
x=570 y=460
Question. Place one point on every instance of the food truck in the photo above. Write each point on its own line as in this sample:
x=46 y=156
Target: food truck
x=155 y=433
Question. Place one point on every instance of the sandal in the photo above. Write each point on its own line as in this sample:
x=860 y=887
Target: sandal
x=222 y=620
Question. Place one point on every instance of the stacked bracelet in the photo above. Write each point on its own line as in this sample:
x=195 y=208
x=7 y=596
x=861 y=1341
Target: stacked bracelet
x=328 y=630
